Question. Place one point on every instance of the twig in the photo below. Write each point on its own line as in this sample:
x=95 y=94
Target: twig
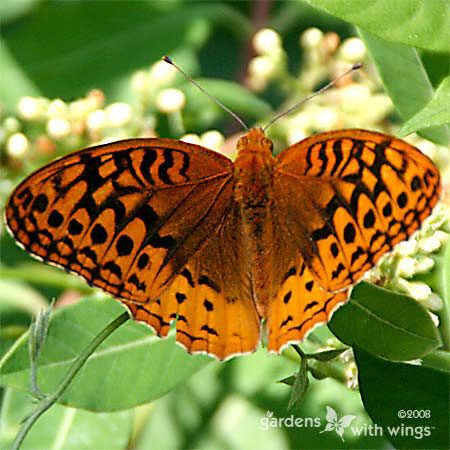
x=49 y=400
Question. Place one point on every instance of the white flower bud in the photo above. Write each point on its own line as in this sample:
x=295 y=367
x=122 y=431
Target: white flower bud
x=325 y=118
x=96 y=120
x=29 y=108
x=256 y=83
x=78 y=109
x=406 y=266
x=17 y=145
x=429 y=244
x=266 y=41
x=57 y=108
x=212 y=139
x=311 y=38
x=262 y=66
x=58 y=128
x=353 y=50
x=424 y=264
x=418 y=290
x=11 y=125
x=162 y=73
x=406 y=248
x=353 y=96
x=433 y=302
x=442 y=236
x=118 y=114
x=140 y=81
x=170 y=100
x=191 y=139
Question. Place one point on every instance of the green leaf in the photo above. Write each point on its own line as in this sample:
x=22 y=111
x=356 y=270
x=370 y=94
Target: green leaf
x=435 y=113
x=300 y=385
x=82 y=45
x=235 y=97
x=438 y=359
x=63 y=427
x=386 y=323
x=289 y=381
x=132 y=367
x=419 y=23
x=405 y=80
x=388 y=388
x=17 y=294
x=326 y=355
x=439 y=281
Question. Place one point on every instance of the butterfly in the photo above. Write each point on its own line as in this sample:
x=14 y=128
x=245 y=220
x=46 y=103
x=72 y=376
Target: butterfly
x=181 y=233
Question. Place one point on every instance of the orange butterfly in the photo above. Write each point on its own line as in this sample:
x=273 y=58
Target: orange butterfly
x=179 y=232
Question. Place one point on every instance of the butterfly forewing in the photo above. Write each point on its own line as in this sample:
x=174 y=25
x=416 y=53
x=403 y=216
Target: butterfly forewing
x=347 y=197
x=125 y=216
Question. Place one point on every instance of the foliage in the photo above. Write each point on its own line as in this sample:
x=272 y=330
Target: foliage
x=96 y=78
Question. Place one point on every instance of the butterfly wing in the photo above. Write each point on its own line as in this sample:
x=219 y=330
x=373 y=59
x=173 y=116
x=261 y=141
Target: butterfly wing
x=298 y=305
x=211 y=297
x=342 y=200
x=348 y=197
x=125 y=216
x=152 y=222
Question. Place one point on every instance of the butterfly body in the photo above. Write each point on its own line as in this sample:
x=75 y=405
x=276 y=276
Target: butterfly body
x=253 y=193
x=179 y=232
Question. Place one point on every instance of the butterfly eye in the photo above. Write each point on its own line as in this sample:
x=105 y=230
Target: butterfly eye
x=243 y=142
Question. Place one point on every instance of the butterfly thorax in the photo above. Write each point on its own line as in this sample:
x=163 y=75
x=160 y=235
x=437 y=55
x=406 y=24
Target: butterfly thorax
x=254 y=195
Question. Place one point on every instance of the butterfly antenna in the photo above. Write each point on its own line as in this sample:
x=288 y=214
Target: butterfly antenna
x=214 y=99
x=330 y=84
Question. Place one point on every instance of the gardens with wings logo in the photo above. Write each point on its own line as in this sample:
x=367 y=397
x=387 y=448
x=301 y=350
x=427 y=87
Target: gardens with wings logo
x=336 y=423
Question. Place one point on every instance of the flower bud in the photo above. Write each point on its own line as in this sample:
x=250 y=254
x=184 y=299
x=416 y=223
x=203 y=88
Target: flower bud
x=212 y=139
x=266 y=41
x=311 y=38
x=353 y=50
x=96 y=120
x=191 y=139
x=119 y=114
x=58 y=128
x=170 y=100
x=29 y=108
x=17 y=145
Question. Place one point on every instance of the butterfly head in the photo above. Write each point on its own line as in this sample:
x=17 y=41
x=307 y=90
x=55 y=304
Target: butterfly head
x=255 y=141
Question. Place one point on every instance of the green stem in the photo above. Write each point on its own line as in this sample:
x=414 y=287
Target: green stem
x=330 y=369
x=47 y=402
x=444 y=324
x=299 y=351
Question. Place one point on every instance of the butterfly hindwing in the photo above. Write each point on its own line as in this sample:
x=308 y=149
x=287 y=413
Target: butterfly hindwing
x=211 y=298
x=299 y=305
x=347 y=197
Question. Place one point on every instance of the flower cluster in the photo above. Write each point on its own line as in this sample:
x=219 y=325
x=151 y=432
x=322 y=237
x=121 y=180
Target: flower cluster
x=356 y=101
x=398 y=269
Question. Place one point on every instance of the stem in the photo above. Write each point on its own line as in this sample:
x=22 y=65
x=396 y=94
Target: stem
x=299 y=351
x=47 y=402
x=444 y=324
